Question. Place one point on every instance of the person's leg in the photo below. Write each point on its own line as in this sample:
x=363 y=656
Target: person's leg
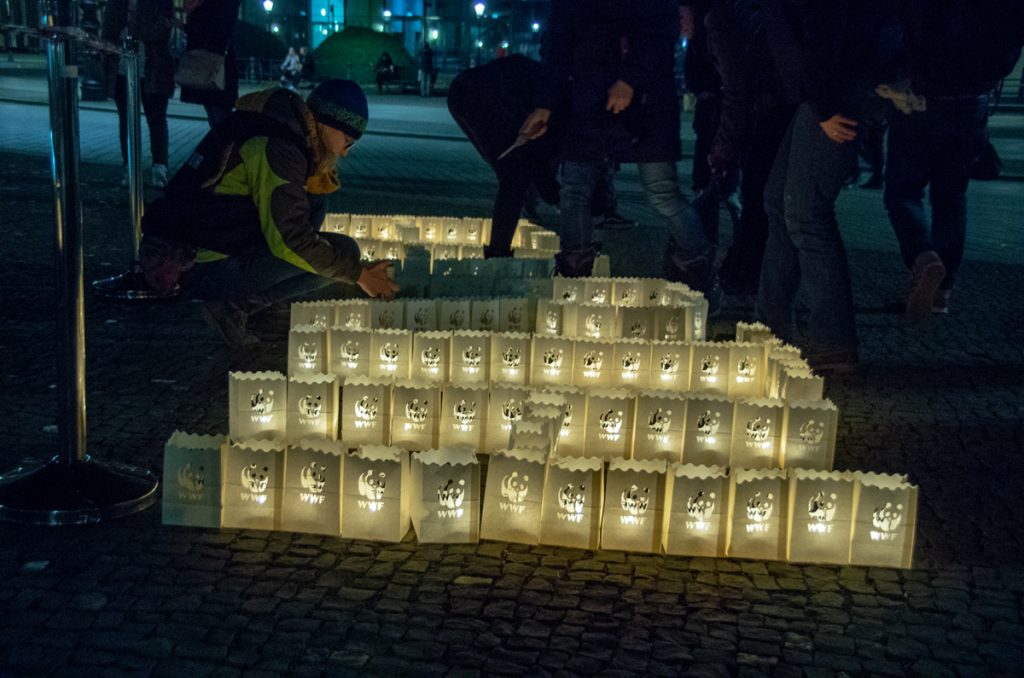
x=687 y=233
x=906 y=176
x=705 y=124
x=155 y=107
x=216 y=113
x=578 y=182
x=513 y=181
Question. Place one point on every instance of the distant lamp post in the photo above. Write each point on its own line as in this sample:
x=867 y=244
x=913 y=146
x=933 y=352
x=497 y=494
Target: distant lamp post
x=387 y=20
x=479 y=8
x=535 y=26
x=268 y=6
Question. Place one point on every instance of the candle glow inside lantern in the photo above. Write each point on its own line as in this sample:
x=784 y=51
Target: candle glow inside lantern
x=699 y=514
x=597 y=290
x=430 y=353
x=382 y=227
x=421 y=315
x=809 y=435
x=660 y=419
x=470 y=357
x=628 y=292
x=670 y=365
x=653 y=291
x=530 y=435
x=747 y=370
x=510 y=357
x=312 y=407
x=307 y=350
x=513 y=496
x=337 y=223
x=390 y=353
x=597 y=321
x=631 y=363
x=777 y=356
x=709 y=367
x=349 y=352
x=192 y=479
x=387 y=315
x=634 y=506
x=547 y=419
x=568 y=290
x=452 y=230
x=431 y=228
x=414 y=419
x=353 y=314
x=571 y=512
x=312 y=487
x=253 y=472
x=365 y=411
x=360 y=226
x=514 y=315
x=455 y=314
x=757 y=521
x=446 y=496
x=552 y=360
x=573 y=402
x=671 y=323
x=755 y=332
x=463 y=414
x=256 y=405
x=757 y=431
x=797 y=382
x=707 y=438
x=375 y=494
x=637 y=323
x=696 y=315
x=473 y=230
x=504 y=408
x=484 y=315
x=550 y=318
x=592 y=363
x=319 y=314
x=610 y=416
x=886 y=518
x=820 y=516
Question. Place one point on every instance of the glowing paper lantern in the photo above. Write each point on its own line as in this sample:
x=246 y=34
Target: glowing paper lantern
x=634 y=506
x=312 y=487
x=360 y=226
x=671 y=323
x=757 y=431
x=549 y=319
x=430 y=353
x=455 y=314
x=349 y=352
x=472 y=230
x=313 y=407
x=546 y=424
x=452 y=230
x=797 y=382
x=696 y=314
x=421 y=315
x=777 y=356
x=375 y=494
x=484 y=315
x=504 y=408
x=353 y=314
x=757 y=333
x=552 y=360
x=597 y=321
x=365 y=411
x=387 y=315
x=431 y=228
x=809 y=438
x=514 y=315
x=510 y=357
x=319 y=314
x=707 y=438
x=257 y=402
x=470 y=357
x=513 y=498
x=820 y=516
x=390 y=353
x=886 y=518
x=572 y=437
x=382 y=228
x=670 y=366
x=699 y=514
x=573 y=493
x=192 y=479
x=660 y=420
x=307 y=350
x=637 y=323
x=653 y=291
x=415 y=411
x=253 y=473
x=337 y=223
x=610 y=416
x=747 y=370
x=628 y=292
x=463 y=414
x=446 y=496
x=757 y=520
x=631 y=363
x=569 y=290
x=709 y=367
x=592 y=363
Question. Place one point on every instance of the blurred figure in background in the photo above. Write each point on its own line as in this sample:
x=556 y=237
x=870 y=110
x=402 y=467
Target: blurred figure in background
x=210 y=26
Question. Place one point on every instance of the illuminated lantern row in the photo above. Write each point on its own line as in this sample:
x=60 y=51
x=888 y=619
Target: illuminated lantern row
x=418 y=315
x=437 y=229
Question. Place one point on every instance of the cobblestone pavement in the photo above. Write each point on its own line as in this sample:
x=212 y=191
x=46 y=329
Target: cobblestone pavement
x=943 y=402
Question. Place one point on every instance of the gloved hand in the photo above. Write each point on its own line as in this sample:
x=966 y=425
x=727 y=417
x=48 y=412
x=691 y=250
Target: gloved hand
x=902 y=97
x=378 y=280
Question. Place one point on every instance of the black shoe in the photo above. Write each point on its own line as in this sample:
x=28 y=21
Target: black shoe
x=615 y=222
x=697 y=273
x=230 y=321
x=575 y=264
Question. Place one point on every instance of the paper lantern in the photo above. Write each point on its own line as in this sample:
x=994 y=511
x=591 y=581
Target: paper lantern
x=757 y=520
x=514 y=315
x=707 y=438
x=809 y=435
x=549 y=318
x=503 y=409
x=757 y=333
x=463 y=416
x=634 y=506
x=416 y=408
x=653 y=291
x=484 y=315
x=431 y=229
x=595 y=321
x=470 y=357
x=820 y=516
x=631 y=363
x=573 y=494
x=455 y=314
x=473 y=231
x=699 y=514
x=671 y=323
x=709 y=367
x=513 y=496
x=375 y=494
x=610 y=416
x=430 y=353
x=421 y=315
x=312 y=487
x=530 y=435
x=446 y=496
x=569 y=290
x=551 y=360
x=777 y=355
x=360 y=226
x=336 y=223
x=747 y=369
x=696 y=316
x=312 y=407
x=797 y=382
x=510 y=357
x=572 y=437
x=349 y=352
x=365 y=411
x=452 y=230
x=390 y=353
x=660 y=422
x=319 y=314
x=192 y=479
x=597 y=290
x=670 y=366
x=637 y=323
x=628 y=292
x=382 y=228
x=886 y=518
x=387 y=315
x=307 y=350
x=757 y=432
x=353 y=314
x=257 y=402
x=547 y=424
x=253 y=473
x=592 y=363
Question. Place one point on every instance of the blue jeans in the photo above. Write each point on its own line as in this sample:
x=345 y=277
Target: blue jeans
x=934 y=148
x=660 y=183
x=804 y=248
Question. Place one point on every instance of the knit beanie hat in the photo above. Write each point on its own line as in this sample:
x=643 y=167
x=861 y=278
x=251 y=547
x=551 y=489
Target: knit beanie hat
x=340 y=104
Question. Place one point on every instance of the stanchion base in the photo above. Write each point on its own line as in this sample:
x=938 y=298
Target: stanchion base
x=77 y=493
x=129 y=286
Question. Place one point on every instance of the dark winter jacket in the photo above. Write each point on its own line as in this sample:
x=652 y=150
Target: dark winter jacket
x=211 y=26
x=152 y=27
x=589 y=45
x=698 y=64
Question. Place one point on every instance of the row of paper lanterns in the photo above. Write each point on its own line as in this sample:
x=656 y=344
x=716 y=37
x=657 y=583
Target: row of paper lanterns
x=646 y=506
x=436 y=229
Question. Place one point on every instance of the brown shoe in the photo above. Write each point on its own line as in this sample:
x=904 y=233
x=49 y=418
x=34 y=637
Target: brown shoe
x=926 y=276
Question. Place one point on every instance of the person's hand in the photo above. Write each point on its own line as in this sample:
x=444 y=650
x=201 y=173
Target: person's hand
x=620 y=96
x=377 y=280
x=839 y=128
x=536 y=124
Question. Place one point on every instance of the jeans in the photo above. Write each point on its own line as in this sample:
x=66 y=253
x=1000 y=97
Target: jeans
x=154 y=106
x=804 y=247
x=934 y=148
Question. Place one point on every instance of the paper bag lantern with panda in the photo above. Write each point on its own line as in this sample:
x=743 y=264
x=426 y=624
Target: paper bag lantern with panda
x=415 y=413
x=709 y=367
x=337 y=223
x=552 y=360
x=631 y=363
x=707 y=438
x=747 y=370
x=510 y=357
x=546 y=423
x=513 y=498
x=653 y=291
x=550 y=318
x=484 y=315
x=360 y=225
x=699 y=514
x=637 y=323
x=446 y=496
x=312 y=487
x=799 y=383
x=755 y=332
x=473 y=230
x=886 y=518
x=757 y=517
x=634 y=506
x=504 y=408
x=573 y=494
x=313 y=407
x=597 y=321
x=670 y=366
x=514 y=315
x=365 y=411
x=430 y=356
x=757 y=432
x=349 y=352
x=569 y=290
x=809 y=435
x=778 y=356
x=390 y=353
x=610 y=416
x=670 y=323
x=628 y=292
x=660 y=421
x=463 y=416
x=253 y=473
x=192 y=479
x=455 y=314
x=421 y=315
x=820 y=516
x=319 y=314
x=572 y=437
x=597 y=290
x=696 y=316
x=257 y=403
x=431 y=228
x=470 y=357
x=382 y=227
x=387 y=315
x=592 y=363
x=375 y=494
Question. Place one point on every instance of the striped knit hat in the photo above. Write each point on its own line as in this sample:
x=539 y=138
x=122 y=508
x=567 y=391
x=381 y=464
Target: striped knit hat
x=340 y=104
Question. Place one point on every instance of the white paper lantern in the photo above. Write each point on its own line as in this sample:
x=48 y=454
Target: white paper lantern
x=886 y=520
x=670 y=366
x=360 y=226
x=573 y=494
x=547 y=424
x=653 y=291
x=313 y=407
x=593 y=363
x=707 y=439
x=634 y=506
x=797 y=382
x=610 y=417
x=777 y=356
x=349 y=352
x=353 y=314
x=390 y=353
x=470 y=357
x=755 y=332
x=257 y=402
x=747 y=370
x=473 y=230
x=514 y=315
x=307 y=350
x=572 y=437
x=709 y=367
x=660 y=423
x=253 y=473
x=631 y=363
x=699 y=514
x=375 y=494
x=628 y=292
x=365 y=411
x=550 y=318
x=455 y=314
x=446 y=496
x=430 y=356
x=463 y=416
x=569 y=290
x=383 y=227
x=416 y=408
x=312 y=487
x=696 y=315
x=510 y=357
x=320 y=314
x=337 y=223
x=387 y=315
x=637 y=323
x=552 y=360
x=431 y=228
x=504 y=408
x=484 y=315
x=757 y=516
x=809 y=435
x=421 y=315
x=597 y=290
x=757 y=433
x=597 y=321
x=513 y=497
x=820 y=516
x=671 y=323
x=193 y=480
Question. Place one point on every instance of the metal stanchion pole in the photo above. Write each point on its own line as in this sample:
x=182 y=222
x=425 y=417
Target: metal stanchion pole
x=71 y=487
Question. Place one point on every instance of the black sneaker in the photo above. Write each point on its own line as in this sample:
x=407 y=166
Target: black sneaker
x=615 y=222
x=229 y=320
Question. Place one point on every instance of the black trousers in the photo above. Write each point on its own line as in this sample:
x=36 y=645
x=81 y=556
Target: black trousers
x=154 y=106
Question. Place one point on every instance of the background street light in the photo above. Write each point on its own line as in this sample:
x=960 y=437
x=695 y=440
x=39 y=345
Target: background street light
x=479 y=8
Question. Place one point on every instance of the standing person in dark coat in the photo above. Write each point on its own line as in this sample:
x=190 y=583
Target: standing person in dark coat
x=426 y=73
x=611 y=63
x=308 y=65
x=210 y=25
